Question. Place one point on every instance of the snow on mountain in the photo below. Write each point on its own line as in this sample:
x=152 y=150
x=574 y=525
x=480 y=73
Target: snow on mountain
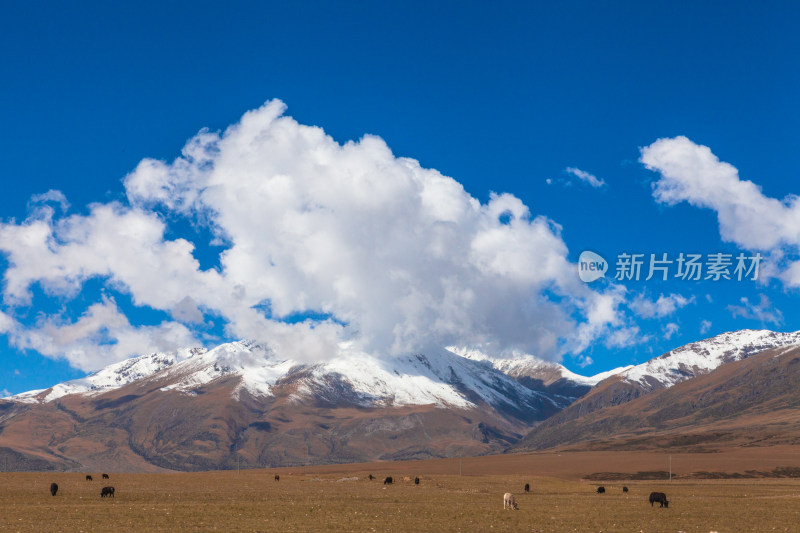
x=111 y=377
x=456 y=377
x=704 y=356
x=529 y=366
x=442 y=379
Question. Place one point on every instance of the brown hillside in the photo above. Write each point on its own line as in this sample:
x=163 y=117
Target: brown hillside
x=752 y=402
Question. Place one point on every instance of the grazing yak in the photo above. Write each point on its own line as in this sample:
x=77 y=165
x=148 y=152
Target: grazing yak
x=105 y=476
x=659 y=497
x=416 y=481
x=601 y=490
x=53 y=488
x=371 y=477
x=527 y=487
x=88 y=478
x=388 y=481
x=509 y=502
x=277 y=477
x=107 y=491
x=624 y=489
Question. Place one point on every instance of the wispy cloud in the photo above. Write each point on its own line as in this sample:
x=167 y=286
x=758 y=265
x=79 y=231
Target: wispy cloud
x=670 y=329
x=585 y=177
x=764 y=312
x=705 y=326
x=665 y=305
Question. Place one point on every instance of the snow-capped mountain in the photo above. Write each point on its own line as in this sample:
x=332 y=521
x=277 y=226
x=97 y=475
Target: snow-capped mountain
x=109 y=378
x=444 y=379
x=524 y=365
x=751 y=402
x=704 y=356
x=199 y=409
x=204 y=409
x=663 y=372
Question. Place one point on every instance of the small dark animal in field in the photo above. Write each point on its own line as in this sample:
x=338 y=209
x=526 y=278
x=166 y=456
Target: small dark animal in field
x=659 y=497
x=371 y=477
x=388 y=481
x=53 y=488
x=107 y=491
x=105 y=476
x=601 y=490
x=624 y=489
x=416 y=481
x=88 y=478
x=277 y=477
x=527 y=487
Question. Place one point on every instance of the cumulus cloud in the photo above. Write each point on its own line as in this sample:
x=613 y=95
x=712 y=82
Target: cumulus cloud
x=661 y=307
x=585 y=177
x=692 y=173
x=385 y=254
x=763 y=312
x=705 y=326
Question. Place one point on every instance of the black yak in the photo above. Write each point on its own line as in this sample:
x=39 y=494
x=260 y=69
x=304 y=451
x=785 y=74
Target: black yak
x=371 y=477
x=601 y=490
x=53 y=488
x=659 y=497
x=277 y=477
x=624 y=489
x=527 y=487
x=105 y=476
x=416 y=481
x=387 y=481
x=107 y=491
x=88 y=478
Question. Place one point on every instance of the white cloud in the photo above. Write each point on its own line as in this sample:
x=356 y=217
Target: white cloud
x=663 y=306
x=670 y=329
x=764 y=312
x=705 y=326
x=400 y=257
x=692 y=173
x=51 y=196
x=585 y=177
x=101 y=335
x=626 y=337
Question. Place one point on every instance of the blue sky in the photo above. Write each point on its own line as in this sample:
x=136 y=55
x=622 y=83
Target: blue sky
x=502 y=99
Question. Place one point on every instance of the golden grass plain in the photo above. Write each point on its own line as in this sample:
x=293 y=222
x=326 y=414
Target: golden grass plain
x=312 y=499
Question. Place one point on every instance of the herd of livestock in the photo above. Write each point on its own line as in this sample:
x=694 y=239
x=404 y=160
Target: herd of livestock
x=509 y=502
x=105 y=491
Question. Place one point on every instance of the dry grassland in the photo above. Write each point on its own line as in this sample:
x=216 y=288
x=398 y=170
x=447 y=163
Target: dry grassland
x=253 y=501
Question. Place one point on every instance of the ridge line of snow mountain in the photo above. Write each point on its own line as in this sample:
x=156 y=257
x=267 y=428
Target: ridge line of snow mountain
x=455 y=377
